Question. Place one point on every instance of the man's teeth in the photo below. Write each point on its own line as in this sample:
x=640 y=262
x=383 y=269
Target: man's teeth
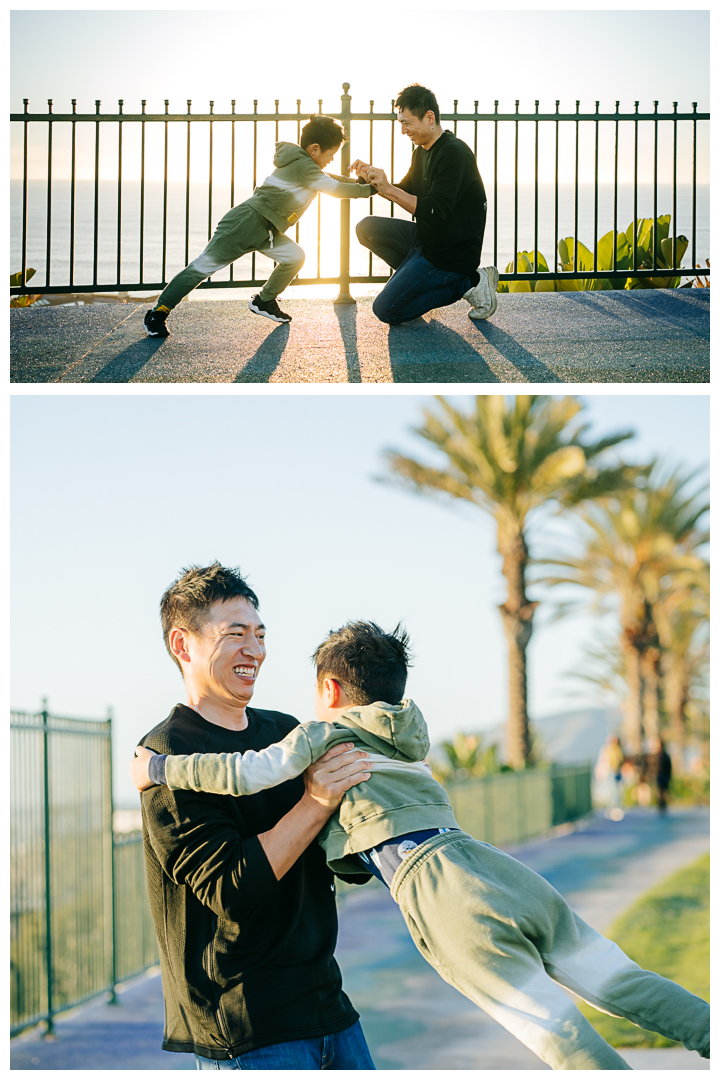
x=246 y=672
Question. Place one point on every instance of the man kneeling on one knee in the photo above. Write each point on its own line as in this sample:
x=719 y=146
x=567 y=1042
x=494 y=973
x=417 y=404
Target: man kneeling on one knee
x=436 y=257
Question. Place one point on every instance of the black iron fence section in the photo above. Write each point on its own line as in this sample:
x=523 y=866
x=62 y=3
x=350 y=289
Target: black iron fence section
x=113 y=147
x=80 y=919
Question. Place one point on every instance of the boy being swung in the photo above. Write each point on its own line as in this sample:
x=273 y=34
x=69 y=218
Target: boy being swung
x=260 y=223
x=491 y=927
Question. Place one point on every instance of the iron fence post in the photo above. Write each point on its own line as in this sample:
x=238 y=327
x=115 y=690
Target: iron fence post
x=113 y=950
x=344 y=296
x=48 y=911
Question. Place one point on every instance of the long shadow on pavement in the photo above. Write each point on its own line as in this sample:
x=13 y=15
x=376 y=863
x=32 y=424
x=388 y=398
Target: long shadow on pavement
x=123 y=367
x=261 y=366
x=534 y=369
x=431 y=352
x=346 y=315
x=655 y=309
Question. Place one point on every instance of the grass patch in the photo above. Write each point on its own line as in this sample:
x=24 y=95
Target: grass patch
x=667 y=931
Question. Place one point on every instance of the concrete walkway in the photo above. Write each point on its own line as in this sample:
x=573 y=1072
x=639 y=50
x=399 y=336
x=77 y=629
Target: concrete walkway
x=646 y=335
x=412 y=1019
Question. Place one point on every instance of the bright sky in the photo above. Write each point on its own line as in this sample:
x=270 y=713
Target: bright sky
x=468 y=55
x=308 y=53
x=113 y=494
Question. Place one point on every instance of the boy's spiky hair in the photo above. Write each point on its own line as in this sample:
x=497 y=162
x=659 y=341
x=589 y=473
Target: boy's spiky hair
x=369 y=663
x=188 y=600
x=418 y=100
x=322 y=130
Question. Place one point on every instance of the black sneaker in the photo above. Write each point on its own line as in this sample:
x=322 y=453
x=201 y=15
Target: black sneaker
x=268 y=308
x=154 y=323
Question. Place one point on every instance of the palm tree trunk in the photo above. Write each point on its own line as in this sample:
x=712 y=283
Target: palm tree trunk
x=517 y=614
x=676 y=695
x=632 y=706
x=649 y=662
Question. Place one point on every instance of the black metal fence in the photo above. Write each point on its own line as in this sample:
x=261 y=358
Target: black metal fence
x=155 y=222
x=80 y=918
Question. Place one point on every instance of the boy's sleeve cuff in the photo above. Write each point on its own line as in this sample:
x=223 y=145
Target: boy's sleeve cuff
x=156 y=769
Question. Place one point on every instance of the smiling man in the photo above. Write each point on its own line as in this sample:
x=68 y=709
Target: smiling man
x=241 y=897
x=436 y=257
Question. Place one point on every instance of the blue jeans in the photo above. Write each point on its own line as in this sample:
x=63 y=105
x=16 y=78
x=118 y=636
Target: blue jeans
x=344 y=1050
x=416 y=286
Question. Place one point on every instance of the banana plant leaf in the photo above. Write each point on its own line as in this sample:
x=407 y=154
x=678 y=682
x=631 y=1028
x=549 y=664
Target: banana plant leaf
x=16 y=279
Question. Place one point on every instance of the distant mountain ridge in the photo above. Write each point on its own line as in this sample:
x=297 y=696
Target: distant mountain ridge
x=568 y=738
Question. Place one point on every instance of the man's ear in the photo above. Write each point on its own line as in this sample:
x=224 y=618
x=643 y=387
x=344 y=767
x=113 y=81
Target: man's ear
x=177 y=639
x=333 y=692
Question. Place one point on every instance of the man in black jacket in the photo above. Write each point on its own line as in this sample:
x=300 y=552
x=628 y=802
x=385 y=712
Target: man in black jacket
x=436 y=258
x=241 y=896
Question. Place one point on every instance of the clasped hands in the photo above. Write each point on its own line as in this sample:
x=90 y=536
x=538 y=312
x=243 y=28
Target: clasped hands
x=373 y=174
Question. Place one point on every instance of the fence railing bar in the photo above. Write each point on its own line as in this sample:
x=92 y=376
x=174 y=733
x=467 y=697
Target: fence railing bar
x=210 y=175
x=577 y=169
x=495 y=185
x=48 y=877
x=694 y=179
x=187 y=188
x=635 y=191
x=165 y=199
x=655 y=172
x=96 y=203
x=232 y=176
x=515 y=218
x=557 y=175
x=48 y=218
x=23 y=268
x=595 y=214
x=535 y=240
x=278 y=116
x=119 y=196
x=142 y=197
x=255 y=124
x=674 y=194
x=615 y=188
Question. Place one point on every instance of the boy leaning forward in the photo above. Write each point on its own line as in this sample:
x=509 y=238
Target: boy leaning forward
x=260 y=223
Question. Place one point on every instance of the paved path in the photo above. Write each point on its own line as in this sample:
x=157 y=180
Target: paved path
x=648 y=335
x=414 y=1020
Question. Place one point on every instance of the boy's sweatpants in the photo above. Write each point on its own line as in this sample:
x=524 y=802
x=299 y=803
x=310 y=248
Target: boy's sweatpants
x=241 y=230
x=502 y=936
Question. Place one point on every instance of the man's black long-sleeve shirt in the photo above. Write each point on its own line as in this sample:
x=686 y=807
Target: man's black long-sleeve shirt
x=246 y=960
x=451 y=204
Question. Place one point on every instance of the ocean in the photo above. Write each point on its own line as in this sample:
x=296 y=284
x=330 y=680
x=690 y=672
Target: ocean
x=328 y=209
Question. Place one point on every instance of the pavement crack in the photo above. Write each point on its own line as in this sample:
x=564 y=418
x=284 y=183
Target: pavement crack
x=93 y=347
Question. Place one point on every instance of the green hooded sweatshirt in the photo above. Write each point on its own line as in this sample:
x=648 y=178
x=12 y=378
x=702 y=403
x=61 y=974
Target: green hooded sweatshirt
x=400 y=796
x=285 y=195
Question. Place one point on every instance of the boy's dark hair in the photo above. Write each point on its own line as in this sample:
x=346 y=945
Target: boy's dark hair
x=368 y=663
x=322 y=130
x=187 y=601
x=419 y=100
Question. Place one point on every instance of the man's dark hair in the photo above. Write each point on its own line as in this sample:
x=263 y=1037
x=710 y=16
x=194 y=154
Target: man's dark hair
x=419 y=100
x=188 y=600
x=322 y=130
x=368 y=663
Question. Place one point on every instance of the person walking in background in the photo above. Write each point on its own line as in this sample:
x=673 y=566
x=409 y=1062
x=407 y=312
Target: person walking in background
x=436 y=257
x=608 y=772
x=657 y=771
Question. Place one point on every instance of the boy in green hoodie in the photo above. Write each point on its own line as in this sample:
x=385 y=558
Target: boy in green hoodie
x=260 y=223
x=490 y=926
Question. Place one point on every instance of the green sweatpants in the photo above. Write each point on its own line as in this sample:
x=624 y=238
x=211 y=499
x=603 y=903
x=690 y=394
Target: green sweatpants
x=241 y=230
x=502 y=936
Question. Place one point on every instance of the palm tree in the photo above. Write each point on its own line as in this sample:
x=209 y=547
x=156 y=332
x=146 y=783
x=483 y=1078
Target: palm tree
x=640 y=552
x=508 y=459
x=682 y=621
